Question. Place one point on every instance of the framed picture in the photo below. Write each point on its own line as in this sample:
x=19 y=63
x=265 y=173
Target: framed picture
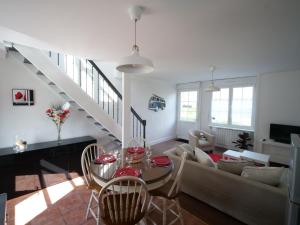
x=22 y=97
x=156 y=103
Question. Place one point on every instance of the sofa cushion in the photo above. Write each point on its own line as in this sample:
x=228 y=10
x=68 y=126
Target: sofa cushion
x=185 y=148
x=233 y=166
x=266 y=175
x=203 y=158
x=202 y=142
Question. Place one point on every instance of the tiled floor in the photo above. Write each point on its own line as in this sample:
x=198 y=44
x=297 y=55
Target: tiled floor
x=62 y=204
x=65 y=199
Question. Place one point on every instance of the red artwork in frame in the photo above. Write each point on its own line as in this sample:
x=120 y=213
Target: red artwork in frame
x=22 y=97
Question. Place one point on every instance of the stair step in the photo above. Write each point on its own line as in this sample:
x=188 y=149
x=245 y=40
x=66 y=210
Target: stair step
x=104 y=129
x=98 y=124
x=62 y=93
x=72 y=102
x=13 y=49
x=89 y=117
x=40 y=73
x=51 y=83
x=27 y=61
x=111 y=135
x=81 y=110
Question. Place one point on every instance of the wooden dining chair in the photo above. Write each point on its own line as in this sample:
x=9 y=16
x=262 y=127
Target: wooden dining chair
x=169 y=193
x=89 y=154
x=123 y=201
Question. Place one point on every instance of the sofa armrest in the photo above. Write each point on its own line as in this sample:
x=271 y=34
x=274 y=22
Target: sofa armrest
x=210 y=138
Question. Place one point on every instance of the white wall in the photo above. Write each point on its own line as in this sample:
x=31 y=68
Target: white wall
x=161 y=125
x=31 y=122
x=278 y=101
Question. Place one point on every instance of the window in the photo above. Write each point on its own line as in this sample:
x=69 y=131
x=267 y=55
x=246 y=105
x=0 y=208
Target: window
x=188 y=106
x=241 y=111
x=233 y=107
x=220 y=106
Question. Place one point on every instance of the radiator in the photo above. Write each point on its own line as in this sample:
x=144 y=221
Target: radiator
x=225 y=136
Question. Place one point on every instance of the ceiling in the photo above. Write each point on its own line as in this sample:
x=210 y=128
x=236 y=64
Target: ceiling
x=183 y=38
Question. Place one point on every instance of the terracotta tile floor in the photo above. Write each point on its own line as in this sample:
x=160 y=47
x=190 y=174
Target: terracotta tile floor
x=65 y=199
x=63 y=203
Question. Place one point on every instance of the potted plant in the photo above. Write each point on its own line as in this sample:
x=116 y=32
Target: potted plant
x=243 y=141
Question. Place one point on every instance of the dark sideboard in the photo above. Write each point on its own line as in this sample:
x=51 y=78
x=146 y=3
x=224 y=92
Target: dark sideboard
x=50 y=157
x=3 y=198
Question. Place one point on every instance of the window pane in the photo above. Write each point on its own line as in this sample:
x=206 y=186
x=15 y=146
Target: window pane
x=219 y=107
x=184 y=96
x=193 y=96
x=242 y=101
x=188 y=105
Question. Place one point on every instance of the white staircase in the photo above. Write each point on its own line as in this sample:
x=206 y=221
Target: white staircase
x=40 y=64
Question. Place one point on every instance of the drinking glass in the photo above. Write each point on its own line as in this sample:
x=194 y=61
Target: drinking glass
x=148 y=154
x=118 y=156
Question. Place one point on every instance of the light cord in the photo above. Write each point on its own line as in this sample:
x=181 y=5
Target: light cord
x=135 y=31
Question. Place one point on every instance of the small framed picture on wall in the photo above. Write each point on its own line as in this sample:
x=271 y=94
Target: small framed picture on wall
x=22 y=97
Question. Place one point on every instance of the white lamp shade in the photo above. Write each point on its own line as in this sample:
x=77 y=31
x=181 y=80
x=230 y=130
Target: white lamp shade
x=211 y=88
x=135 y=64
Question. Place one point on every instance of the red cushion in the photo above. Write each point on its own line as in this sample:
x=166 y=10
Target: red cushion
x=215 y=156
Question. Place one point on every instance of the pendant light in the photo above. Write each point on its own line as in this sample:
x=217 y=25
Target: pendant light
x=211 y=87
x=135 y=63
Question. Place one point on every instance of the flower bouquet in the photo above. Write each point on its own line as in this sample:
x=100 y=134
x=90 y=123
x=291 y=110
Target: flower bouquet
x=58 y=114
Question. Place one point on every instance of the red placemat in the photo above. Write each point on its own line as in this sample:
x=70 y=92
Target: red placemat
x=127 y=171
x=105 y=158
x=161 y=160
x=136 y=150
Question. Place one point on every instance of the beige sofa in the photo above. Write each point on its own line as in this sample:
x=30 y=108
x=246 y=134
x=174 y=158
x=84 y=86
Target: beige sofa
x=196 y=141
x=249 y=201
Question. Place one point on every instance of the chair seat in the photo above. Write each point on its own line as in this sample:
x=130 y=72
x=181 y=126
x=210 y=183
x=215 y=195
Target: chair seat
x=164 y=190
x=94 y=186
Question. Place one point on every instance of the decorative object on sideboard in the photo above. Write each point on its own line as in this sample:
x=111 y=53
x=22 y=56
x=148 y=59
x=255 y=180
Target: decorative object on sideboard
x=243 y=141
x=156 y=103
x=58 y=114
x=20 y=144
x=22 y=97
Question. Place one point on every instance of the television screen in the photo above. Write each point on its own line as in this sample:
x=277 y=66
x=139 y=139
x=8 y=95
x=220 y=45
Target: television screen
x=282 y=133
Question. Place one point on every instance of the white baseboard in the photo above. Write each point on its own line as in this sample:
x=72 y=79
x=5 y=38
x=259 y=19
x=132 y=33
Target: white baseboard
x=153 y=142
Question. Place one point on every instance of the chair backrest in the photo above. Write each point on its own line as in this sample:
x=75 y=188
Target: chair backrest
x=123 y=200
x=90 y=153
x=175 y=188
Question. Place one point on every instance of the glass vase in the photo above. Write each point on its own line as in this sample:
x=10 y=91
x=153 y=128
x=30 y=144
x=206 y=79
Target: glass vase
x=58 y=133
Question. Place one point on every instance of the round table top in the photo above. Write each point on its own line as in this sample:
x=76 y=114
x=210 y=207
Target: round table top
x=149 y=173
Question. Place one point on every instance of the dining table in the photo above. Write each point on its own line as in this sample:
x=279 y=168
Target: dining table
x=153 y=175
